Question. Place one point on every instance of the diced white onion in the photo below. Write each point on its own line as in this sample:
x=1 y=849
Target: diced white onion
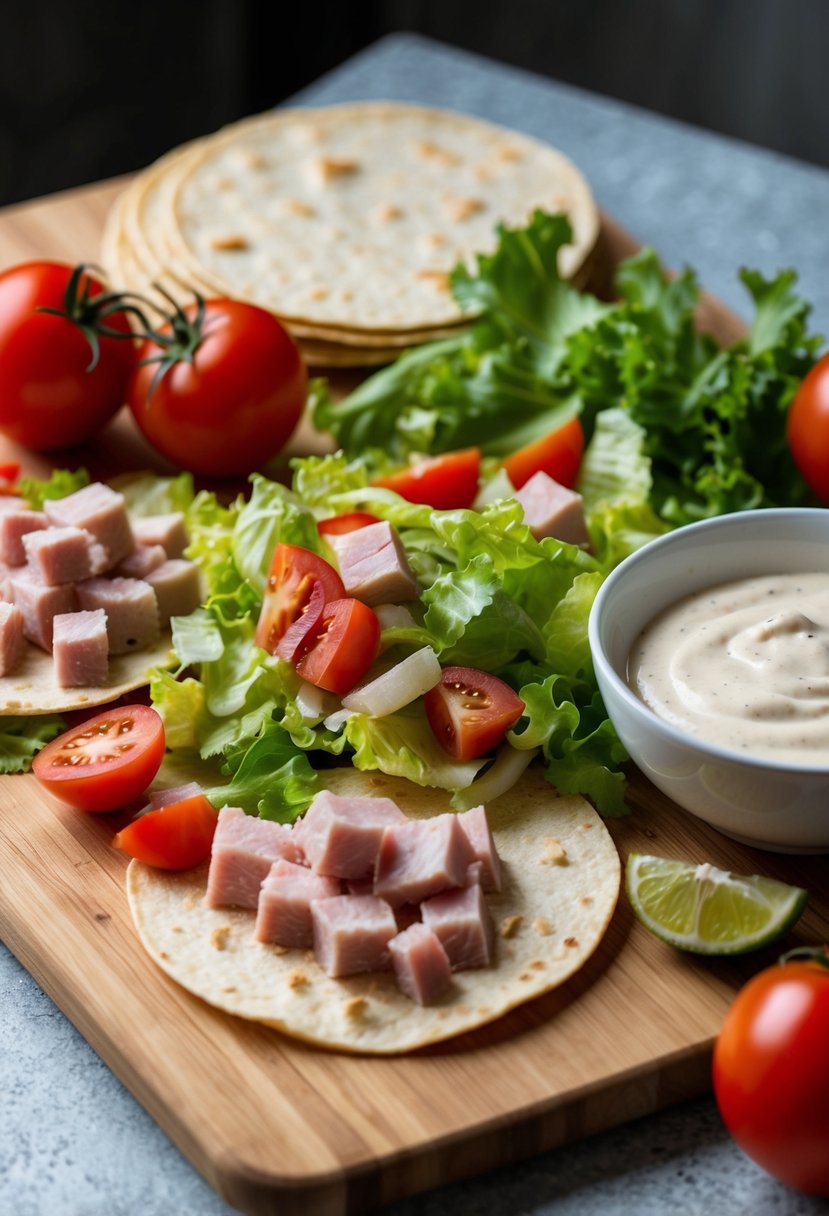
x=393 y=616
x=336 y=720
x=398 y=686
x=313 y=703
x=508 y=766
x=178 y=793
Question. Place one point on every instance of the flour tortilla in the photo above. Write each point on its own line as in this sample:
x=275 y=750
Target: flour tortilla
x=32 y=689
x=351 y=215
x=561 y=882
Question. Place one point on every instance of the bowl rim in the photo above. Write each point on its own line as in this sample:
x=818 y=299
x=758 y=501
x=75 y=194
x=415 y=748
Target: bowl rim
x=648 y=553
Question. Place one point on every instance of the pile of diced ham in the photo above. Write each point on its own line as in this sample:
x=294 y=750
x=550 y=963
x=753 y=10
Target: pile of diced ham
x=84 y=581
x=366 y=887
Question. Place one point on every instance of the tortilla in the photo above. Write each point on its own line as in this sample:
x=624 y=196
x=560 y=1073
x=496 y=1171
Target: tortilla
x=352 y=215
x=561 y=882
x=32 y=689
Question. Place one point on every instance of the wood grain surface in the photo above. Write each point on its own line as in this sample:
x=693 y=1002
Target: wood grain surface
x=276 y=1126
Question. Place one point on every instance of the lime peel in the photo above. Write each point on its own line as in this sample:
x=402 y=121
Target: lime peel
x=705 y=910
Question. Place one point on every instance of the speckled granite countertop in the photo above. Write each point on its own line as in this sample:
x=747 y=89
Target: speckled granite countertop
x=73 y=1142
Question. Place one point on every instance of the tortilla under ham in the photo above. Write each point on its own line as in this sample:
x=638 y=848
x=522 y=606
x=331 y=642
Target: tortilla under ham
x=561 y=878
x=33 y=689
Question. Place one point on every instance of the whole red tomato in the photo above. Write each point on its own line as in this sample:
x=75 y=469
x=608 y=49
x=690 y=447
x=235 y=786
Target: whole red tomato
x=807 y=428
x=62 y=372
x=219 y=387
x=771 y=1071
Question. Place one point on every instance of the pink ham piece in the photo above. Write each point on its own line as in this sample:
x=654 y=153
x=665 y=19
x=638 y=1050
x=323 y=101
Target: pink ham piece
x=165 y=530
x=80 y=649
x=101 y=511
x=284 y=912
x=11 y=638
x=550 y=509
x=421 y=965
x=461 y=920
x=141 y=561
x=14 y=525
x=130 y=607
x=420 y=857
x=476 y=826
x=40 y=605
x=244 y=849
x=63 y=555
x=373 y=565
x=177 y=588
x=352 y=934
x=341 y=836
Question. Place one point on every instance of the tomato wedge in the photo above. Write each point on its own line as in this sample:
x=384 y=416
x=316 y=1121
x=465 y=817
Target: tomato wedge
x=470 y=711
x=557 y=454
x=174 y=837
x=107 y=761
x=291 y=579
x=344 y=648
x=338 y=525
x=444 y=482
x=293 y=640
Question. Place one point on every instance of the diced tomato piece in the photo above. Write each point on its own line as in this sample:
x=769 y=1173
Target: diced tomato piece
x=557 y=454
x=9 y=474
x=107 y=761
x=344 y=648
x=337 y=525
x=470 y=711
x=444 y=482
x=175 y=837
x=304 y=627
x=291 y=579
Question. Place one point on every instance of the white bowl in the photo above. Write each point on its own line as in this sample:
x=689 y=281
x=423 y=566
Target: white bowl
x=762 y=802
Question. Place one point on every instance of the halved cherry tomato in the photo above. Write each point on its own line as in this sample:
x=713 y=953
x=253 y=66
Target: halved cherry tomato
x=557 y=454
x=344 y=648
x=338 y=525
x=444 y=482
x=293 y=640
x=771 y=1070
x=470 y=711
x=807 y=429
x=10 y=471
x=104 y=763
x=293 y=572
x=174 y=837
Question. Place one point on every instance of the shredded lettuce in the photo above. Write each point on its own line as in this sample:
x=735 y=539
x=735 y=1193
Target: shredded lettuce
x=62 y=482
x=21 y=738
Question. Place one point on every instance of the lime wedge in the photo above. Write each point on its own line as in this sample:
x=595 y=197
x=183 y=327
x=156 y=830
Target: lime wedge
x=706 y=910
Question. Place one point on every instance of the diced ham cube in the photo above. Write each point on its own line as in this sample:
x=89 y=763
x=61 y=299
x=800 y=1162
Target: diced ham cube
x=341 y=836
x=284 y=912
x=14 y=525
x=550 y=509
x=11 y=638
x=476 y=826
x=165 y=530
x=63 y=555
x=421 y=965
x=101 y=511
x=141 y=561
x=352 y=933
x=420 y=857
x=461 y=920
x=244 y=849
x=6 y=592
x=40 y=605
x=80 y=649
x=130 y=607
x=373 y=565
x=177 y=588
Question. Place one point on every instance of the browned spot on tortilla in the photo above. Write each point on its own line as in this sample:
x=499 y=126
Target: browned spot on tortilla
x=542 y=926
x=297 y=978
x=431 y=151
x=219 y=936
x=510 y=925
x=555 y=852
x=279 y=949
x=163 y=954
x=525 y=977
x=229 y=244
x=571 y=941
x=355 y=1007
x=229 y=988
x=538 y=964
x=386 y=212
x=438 y=278
x=178 y=929
x=586 y=900
x=508 y=153
x=328 y=168
x=587 y=827
x=319 y=293
x=295 y=206
x=460 y=209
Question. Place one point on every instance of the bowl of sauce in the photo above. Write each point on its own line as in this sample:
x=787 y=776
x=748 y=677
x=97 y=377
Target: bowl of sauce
x=711 y=649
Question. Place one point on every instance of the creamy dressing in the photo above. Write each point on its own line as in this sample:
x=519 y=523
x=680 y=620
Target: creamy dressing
x=744 y=665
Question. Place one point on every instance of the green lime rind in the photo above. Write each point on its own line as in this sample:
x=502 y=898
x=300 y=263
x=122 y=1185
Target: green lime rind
x=703 y=910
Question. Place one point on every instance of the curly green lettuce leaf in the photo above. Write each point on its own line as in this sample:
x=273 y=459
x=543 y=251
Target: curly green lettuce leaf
x=21 y=738
x=273 y=515
x=63 y=482
x=272 y=779
x=403 y=745
x=149 y=494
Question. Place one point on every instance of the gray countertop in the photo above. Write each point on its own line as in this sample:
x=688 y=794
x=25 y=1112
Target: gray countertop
x=73 y=1142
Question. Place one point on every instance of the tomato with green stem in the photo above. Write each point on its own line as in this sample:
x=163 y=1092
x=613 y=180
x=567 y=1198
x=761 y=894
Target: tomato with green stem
x=771 y=1070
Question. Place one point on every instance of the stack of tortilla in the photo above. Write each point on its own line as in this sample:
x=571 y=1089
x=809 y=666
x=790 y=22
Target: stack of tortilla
x=344 y=221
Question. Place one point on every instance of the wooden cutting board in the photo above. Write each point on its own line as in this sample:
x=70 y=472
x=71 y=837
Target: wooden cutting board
x=276 y=1126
